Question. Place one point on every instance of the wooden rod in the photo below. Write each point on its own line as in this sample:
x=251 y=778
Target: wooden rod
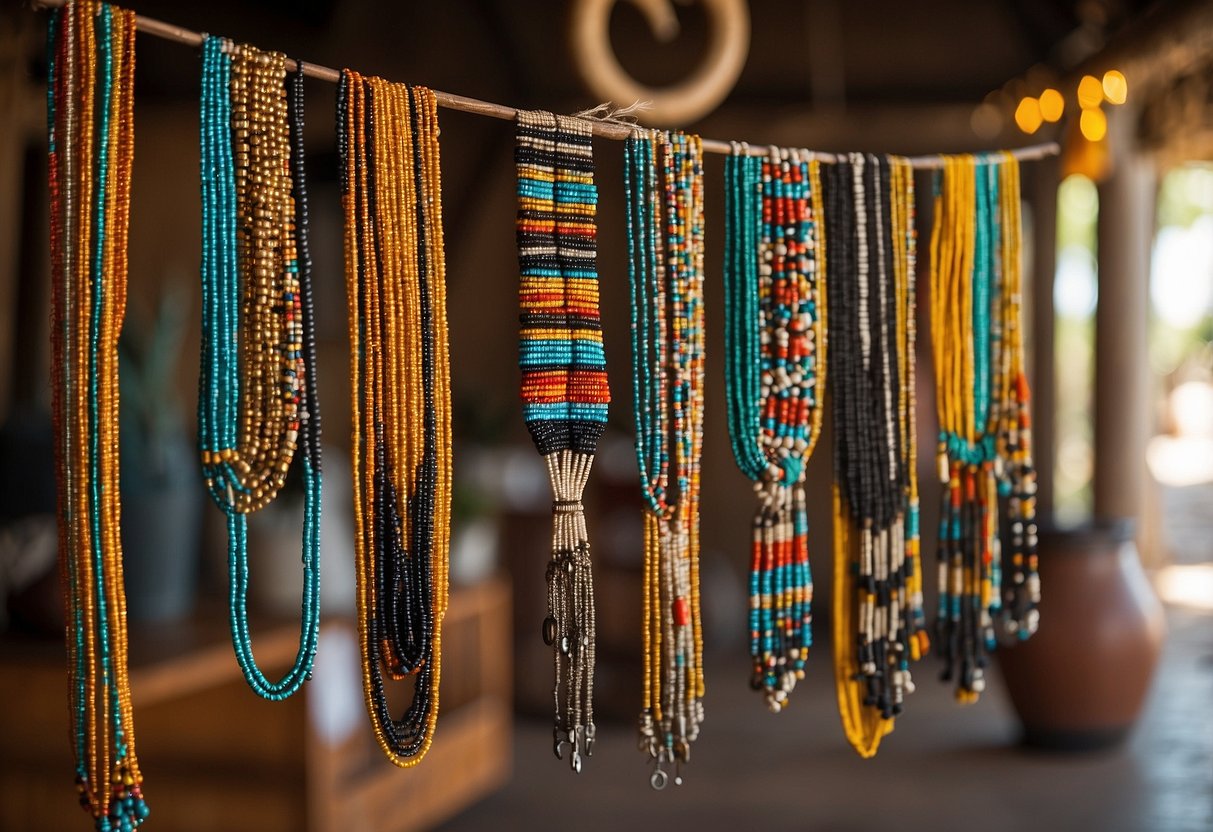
x=599 y=127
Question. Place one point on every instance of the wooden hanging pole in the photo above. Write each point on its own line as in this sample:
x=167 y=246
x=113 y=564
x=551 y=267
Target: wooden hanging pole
x=599 y=127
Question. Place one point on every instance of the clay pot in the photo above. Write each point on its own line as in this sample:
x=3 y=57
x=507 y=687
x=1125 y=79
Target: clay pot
x=1080 y=681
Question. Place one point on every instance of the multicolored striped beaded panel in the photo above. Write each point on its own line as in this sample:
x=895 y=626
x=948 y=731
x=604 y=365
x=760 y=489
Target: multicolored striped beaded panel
x=564 y=380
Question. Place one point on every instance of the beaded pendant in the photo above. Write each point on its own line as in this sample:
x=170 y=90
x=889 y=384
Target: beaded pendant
x=775 y=375
x=564 y=388
x=90 y=93
x=989 y=587
x=665 y=242
x=878 y=619
x=257 y=398
x=391 y=193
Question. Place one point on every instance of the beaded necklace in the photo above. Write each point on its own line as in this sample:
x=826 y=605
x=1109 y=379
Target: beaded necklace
x=905 y=266
x=775 y=375
x=401 y=396
x=91 y=59
x=984 y=448
x=1021 y=580
x=877 y=589
x=564 y=388
x=257 y=395
x=665 y=243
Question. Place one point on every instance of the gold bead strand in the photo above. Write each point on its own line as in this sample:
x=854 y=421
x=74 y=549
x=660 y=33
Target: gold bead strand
x=351 y=146
x=269 y=412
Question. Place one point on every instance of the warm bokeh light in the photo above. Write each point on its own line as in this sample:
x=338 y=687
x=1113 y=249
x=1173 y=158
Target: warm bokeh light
x=1027 y=115
x=1079 y=156
x=1094 y=124
x=1115 y=87
x=1052 y=105
x=1090 y=92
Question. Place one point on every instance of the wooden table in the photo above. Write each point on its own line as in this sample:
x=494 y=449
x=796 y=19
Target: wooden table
x=215 y=756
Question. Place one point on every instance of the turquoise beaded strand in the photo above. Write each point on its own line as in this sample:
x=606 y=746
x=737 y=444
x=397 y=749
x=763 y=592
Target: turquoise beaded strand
x=220 y=385
x=665 y=243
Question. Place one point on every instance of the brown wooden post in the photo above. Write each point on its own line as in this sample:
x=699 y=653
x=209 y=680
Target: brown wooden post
x=1122 y=389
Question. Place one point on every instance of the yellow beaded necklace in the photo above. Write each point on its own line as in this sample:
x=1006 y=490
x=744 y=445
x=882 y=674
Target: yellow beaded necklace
x=988 y=585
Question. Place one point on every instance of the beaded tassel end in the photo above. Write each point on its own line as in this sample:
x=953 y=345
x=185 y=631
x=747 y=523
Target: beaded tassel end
x=781 y=593
x=570 y=625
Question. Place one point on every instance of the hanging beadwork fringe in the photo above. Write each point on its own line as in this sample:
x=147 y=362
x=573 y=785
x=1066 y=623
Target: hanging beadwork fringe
x=564 y=389
x=775 y=373
x=988 y=584
x=878 y=626
x=570 y=626
x=665 y=273
x=781 y=592
x=674 y=685
x=863 y=725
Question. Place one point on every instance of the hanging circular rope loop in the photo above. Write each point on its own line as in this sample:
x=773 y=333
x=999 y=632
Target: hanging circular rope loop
x=676 y=104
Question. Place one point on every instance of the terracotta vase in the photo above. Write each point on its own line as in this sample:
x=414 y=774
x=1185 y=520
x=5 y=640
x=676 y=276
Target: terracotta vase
x=1080 y=681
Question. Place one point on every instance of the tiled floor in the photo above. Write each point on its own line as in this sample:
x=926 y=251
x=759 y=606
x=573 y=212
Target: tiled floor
x=944 y=768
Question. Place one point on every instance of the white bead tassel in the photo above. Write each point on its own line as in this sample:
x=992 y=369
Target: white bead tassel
x=571 y=623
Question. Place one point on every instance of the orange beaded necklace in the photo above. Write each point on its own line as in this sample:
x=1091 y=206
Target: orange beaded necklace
x=90 y=86
x=401 y=397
